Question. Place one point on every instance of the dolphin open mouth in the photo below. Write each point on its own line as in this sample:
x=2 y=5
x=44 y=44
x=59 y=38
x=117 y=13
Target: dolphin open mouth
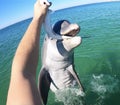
x=72 y=33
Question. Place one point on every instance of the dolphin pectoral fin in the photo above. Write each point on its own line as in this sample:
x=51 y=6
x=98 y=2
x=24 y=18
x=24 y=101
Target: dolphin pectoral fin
x=74 y=74
x=44 y=85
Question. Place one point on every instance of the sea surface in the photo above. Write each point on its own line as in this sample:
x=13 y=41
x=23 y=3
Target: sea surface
x=97 y=59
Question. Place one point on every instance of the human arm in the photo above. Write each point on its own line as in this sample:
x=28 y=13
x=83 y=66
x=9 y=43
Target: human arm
x=23 y=89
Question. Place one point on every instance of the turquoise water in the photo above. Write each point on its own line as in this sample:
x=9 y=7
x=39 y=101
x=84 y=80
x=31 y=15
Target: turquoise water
x=97 y=60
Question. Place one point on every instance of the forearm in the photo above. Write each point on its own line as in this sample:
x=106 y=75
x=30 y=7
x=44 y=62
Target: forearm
x=23 y=89
x=26 y=57
x=24 y=66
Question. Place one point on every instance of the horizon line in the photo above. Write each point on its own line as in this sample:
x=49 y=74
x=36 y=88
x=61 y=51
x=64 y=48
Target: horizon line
x=58 y=10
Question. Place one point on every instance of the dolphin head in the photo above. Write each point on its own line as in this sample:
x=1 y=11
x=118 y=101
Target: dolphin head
x=65 y=28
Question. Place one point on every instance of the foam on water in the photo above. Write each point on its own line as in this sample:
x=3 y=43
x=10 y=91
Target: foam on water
x=104 y=86
x=70 y=96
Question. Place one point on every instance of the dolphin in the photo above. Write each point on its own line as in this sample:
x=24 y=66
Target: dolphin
x=58 y=69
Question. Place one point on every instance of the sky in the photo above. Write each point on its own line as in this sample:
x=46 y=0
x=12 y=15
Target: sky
x=12 y=11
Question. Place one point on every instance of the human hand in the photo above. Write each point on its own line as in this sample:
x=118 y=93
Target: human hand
x=40 y=9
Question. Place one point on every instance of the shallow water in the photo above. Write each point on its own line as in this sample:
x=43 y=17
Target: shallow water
x=97 y=59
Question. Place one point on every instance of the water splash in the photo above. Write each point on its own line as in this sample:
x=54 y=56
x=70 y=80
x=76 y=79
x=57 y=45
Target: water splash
x=70 y=96
x=104 y=86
